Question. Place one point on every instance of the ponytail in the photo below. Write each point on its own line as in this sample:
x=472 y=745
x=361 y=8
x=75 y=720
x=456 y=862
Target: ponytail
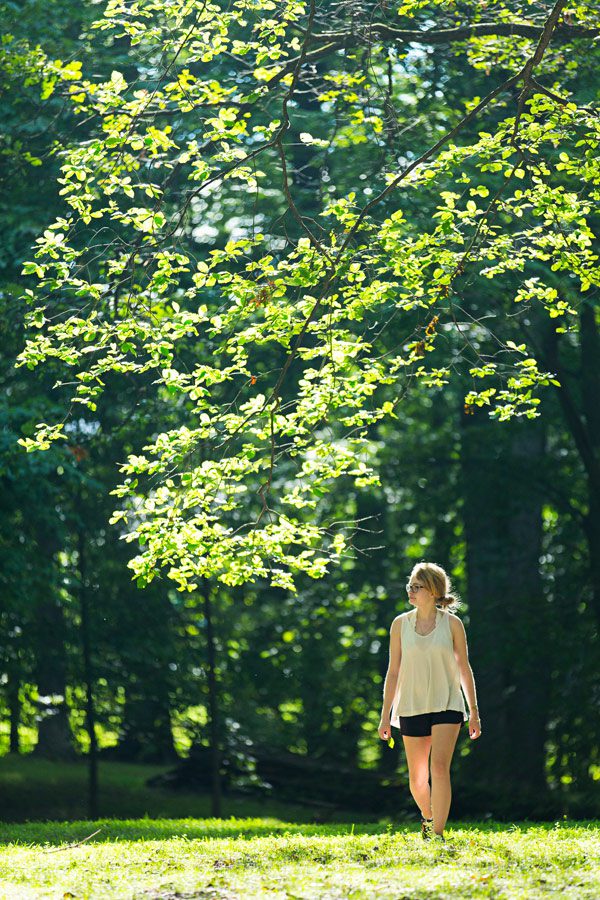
x=449 y=601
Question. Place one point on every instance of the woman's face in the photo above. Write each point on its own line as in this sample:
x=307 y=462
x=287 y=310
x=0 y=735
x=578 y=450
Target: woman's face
x=416 y=591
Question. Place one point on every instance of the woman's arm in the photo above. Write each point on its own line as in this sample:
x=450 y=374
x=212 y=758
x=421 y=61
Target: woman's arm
x=461 y=655
x=391 y=677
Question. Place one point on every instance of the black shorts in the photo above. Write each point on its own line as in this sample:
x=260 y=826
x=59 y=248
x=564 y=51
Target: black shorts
x=420 y=726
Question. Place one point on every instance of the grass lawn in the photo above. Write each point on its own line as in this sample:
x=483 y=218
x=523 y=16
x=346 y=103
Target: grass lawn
x=227 y=859
x=158 y=845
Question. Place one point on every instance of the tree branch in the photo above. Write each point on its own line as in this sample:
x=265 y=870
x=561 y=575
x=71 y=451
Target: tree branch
x=428 y=153
x=527 y=71
x=564 y=33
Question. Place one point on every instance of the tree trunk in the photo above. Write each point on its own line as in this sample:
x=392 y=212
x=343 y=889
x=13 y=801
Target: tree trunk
x=146 y=734
x=590 y=392
x=507 y=619
x=581 y=412
x=146 y=730
x=90 y=711
x=14 y=706
x=213 y=705
x=54 y=733
x=528 y=625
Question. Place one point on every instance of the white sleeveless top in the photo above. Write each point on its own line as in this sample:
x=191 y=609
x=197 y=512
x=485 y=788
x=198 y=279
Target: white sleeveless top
x=429 y=677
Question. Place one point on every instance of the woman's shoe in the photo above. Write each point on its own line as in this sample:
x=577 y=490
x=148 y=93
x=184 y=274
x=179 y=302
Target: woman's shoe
x=438 y=838
x=427 y=831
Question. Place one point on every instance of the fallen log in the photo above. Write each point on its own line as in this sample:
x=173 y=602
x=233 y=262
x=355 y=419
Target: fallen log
x=291 y=776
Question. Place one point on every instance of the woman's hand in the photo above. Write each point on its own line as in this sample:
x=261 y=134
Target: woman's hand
x=385 y=730
x=474 y=726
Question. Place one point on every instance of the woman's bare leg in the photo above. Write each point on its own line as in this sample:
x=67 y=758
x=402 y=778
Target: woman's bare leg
x=417 y=756
x=443 y=742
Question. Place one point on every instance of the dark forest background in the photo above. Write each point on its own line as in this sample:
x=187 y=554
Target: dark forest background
x=237 y=687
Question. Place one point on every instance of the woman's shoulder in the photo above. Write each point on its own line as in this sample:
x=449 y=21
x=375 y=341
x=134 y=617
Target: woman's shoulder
x=455 y=622
x=452 y=615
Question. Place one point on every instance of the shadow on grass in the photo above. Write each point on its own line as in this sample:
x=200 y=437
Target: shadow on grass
x=167 y=829
x=38 y=790
x=114 y=830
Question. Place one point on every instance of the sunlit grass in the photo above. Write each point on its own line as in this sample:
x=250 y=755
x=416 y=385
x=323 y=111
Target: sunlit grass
x=268 y=858
x=265 y=849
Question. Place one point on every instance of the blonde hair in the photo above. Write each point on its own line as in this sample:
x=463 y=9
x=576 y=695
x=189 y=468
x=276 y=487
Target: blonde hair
x=435 y=579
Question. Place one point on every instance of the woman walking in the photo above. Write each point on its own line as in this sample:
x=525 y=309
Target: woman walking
x=428 y=664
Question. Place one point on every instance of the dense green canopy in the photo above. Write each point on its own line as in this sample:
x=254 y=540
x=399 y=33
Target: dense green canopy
x=290 y=342
x=296 y=294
